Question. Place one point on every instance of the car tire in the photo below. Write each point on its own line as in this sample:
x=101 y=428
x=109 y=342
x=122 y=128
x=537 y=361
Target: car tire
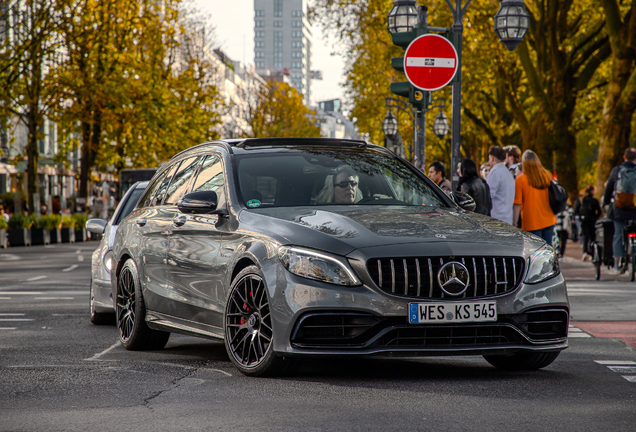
x=522 y=360
x=248 y=328
x=98 y=318
x=130 y=311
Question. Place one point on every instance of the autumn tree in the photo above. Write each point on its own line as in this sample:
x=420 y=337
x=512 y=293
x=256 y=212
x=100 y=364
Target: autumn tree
x=620 y=99
x=137 y=82
x=279 y=112
x=29 y=50
x=527 y=97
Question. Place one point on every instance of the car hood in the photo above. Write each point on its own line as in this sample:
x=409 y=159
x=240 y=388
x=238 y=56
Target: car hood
x=341 y=230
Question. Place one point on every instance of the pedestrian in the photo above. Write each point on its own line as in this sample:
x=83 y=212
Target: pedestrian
x=484 y=170
x=474 y=186
x=437 y=173
x=563 y=228
x=620 y=192
x=502 y=185
x=588 y=212
x=5 y=216
x=532 y=200
x=513 y=154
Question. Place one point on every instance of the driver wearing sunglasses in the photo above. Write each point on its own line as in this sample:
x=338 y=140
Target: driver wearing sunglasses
x=345 y=187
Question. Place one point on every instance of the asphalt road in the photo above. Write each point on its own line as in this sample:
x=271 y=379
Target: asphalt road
x=58 y=372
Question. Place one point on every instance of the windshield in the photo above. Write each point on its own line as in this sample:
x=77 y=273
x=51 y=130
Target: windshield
x=330 y=177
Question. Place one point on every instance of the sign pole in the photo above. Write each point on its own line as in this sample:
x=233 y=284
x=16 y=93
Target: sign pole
x=458 y=29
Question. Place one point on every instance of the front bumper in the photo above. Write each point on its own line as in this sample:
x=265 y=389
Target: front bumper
x=311 y=318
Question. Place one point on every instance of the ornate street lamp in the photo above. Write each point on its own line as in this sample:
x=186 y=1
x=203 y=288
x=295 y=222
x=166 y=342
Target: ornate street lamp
x=403 y=16
x=390 y=125
x=512 y=22
x=440 y=125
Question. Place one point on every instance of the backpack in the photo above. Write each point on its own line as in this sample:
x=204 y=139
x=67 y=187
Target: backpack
x=625 y=188
x=586 y=211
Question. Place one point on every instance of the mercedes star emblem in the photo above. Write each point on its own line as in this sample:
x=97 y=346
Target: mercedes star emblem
x=453 y=278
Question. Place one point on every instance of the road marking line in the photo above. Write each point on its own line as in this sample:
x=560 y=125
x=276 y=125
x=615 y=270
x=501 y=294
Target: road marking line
x=5 y=298
x=73 y=267
x=80 y=258
x=54 y=298
x=630 y=378
x=79 y=251
x=16 y=319
x=615 y=362
x=36 y=278
x=575 y=332
x=623 y=369
x=11 y=314
x=107 y=350
x=21 y=292
x=8 y=328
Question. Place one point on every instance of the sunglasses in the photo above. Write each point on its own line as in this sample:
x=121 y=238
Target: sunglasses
x=343 y=184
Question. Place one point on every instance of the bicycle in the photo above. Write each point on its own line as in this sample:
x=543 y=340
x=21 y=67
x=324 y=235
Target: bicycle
x=601 y=247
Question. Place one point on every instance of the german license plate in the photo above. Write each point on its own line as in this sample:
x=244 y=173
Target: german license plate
x=431 y=313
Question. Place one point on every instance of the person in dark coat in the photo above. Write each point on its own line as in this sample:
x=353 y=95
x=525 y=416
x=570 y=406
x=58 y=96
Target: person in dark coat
x=588 y=209
x=620 y=216
x=475 y=186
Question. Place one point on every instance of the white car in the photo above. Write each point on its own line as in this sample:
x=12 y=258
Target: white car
x=101 y=298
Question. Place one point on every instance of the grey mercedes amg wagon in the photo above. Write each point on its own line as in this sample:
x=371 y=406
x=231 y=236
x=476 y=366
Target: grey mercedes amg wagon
x=292 y=248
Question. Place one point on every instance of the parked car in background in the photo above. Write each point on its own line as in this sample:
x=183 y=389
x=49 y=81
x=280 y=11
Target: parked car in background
x=101 y=299
x=129 y=177
x=295 y=248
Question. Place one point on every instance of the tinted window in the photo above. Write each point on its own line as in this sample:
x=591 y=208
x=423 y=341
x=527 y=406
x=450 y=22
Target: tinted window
x=129 y=205
x=330 y=177
x=181 y=180
x=211 y=178
x=155 y=193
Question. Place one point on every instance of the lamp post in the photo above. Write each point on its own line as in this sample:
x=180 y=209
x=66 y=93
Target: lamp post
x=507 y=25
x=440 y=125
x=390 y=124
x=407 y=21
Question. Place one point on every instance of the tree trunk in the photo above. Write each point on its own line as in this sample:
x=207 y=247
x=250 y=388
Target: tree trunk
x=91 y=136
x=33 y=154
x=85 y=166
x=616 y=126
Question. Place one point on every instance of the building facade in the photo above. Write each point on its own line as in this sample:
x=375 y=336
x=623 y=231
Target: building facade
x=283 y=41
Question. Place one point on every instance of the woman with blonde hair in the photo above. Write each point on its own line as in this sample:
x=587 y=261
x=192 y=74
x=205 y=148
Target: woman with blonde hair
x=532 y=201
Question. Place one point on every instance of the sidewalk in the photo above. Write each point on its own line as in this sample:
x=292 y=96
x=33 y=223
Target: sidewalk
x=575 y=269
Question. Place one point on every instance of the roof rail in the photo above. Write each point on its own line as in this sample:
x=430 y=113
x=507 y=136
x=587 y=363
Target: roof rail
x=292 y=142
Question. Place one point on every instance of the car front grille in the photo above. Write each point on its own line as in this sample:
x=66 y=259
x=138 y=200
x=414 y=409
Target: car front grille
x=417 y=277
x=474 y=335
x=359 y=330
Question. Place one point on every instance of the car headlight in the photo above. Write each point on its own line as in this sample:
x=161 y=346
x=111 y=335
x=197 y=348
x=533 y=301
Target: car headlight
x=543 y=265
x=108 y=261
x=317 y=266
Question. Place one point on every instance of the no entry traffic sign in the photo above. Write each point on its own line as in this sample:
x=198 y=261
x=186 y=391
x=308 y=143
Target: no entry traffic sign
x=430 y=62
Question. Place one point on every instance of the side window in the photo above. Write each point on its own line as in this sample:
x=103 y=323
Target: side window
x=160 y=191
x=151 y=189
x=181 y=180
x=211 y=178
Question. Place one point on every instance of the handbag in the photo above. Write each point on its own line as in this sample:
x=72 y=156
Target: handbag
x=558 y=197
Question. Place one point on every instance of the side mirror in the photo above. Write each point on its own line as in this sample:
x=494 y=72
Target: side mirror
x=198 y=202
x=464 y=200
x=96 y=226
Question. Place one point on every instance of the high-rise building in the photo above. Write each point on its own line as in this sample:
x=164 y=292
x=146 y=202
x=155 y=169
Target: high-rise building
x=283 y=41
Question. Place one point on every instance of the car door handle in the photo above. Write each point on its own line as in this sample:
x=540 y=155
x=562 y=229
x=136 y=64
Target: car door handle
x=179 y=221
x=141 y=222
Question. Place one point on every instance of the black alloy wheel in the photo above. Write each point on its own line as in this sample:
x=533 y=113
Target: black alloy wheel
x=633 y=267
x=130 y=310
x=248 y=326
